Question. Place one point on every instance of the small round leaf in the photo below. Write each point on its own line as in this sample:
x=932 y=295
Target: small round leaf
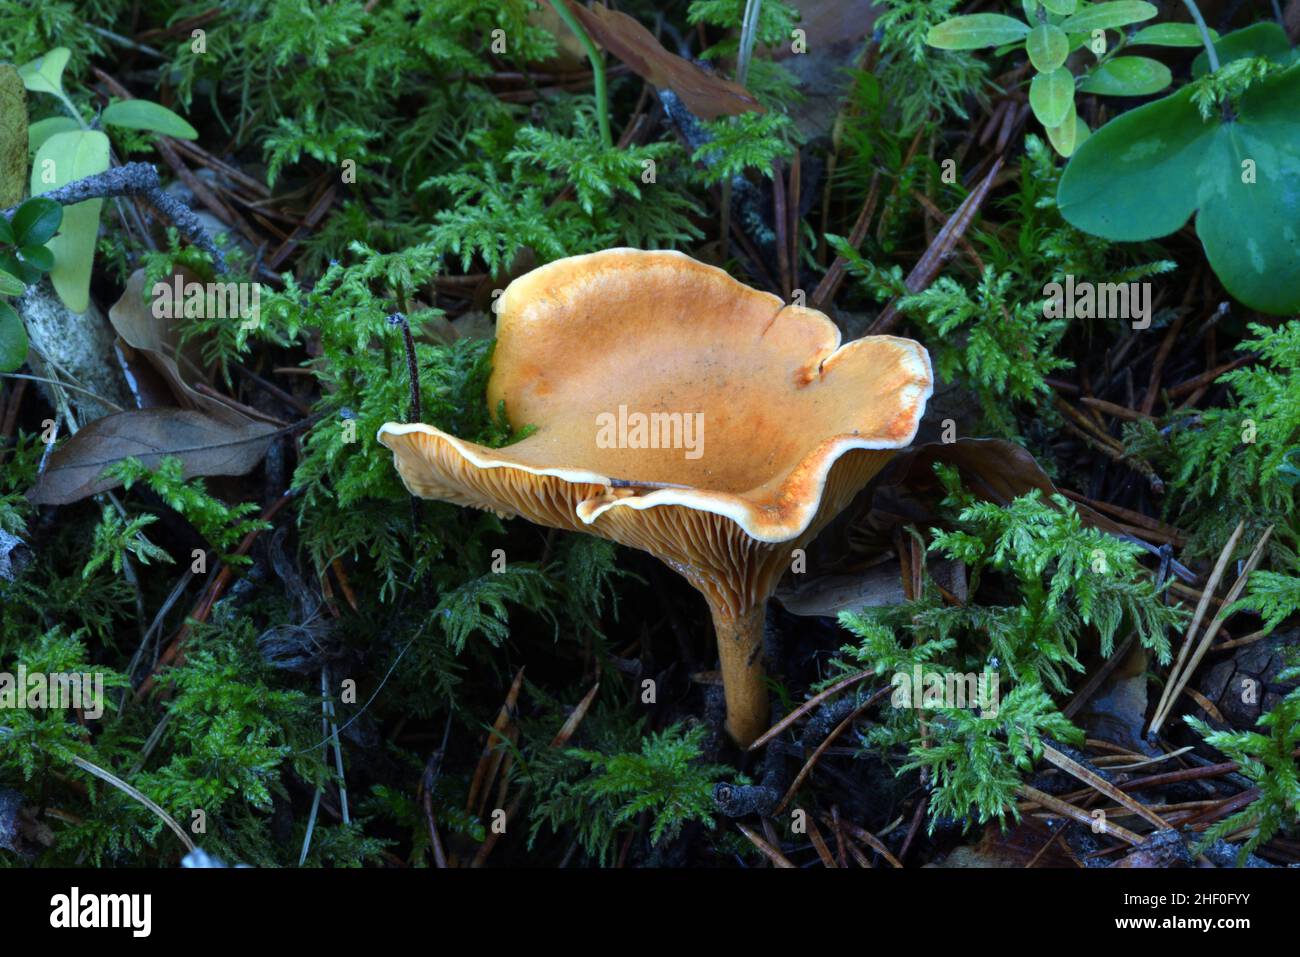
x=13 y=339
x=39 y=256
x=11 y=285
x=10 y=263
x=36 y=221
x=1065 y=137
x=1051 y=96
x=1128 y=76
x=1047 y=46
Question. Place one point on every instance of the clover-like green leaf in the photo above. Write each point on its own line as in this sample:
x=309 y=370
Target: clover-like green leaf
x=13 y=339
x=1109 y=16
x=1128 y=76
x=1145 y=173
x=1047 y=46
x=1051 y=96
x=976 y=31
x=1259 y=39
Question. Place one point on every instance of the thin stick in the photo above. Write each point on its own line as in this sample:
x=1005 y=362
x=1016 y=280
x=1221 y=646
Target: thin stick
x=1237 y=588
x=135 y=793
x=770 y=852
x=1077 y=814
x=136 y=179
x=1096 y=781
x=816 y=755
x=398 y=319
x=1199 y=20
x=1197 y=617
x=111 y=406
x=597 y=69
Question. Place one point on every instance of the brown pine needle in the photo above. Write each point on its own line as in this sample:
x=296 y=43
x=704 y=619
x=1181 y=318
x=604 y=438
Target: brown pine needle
x=770 y=852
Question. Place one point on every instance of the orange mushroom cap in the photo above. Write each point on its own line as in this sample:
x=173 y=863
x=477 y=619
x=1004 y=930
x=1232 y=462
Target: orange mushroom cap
x=777 y=425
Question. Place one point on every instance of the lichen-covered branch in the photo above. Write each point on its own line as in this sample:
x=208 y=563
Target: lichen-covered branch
x=137 y=179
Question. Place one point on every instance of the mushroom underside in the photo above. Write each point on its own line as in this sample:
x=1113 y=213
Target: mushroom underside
x=735 y=572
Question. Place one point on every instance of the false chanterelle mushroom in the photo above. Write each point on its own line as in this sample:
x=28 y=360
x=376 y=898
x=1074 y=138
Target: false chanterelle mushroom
x=681 y=412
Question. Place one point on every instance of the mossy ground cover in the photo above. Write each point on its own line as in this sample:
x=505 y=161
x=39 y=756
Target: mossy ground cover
x=299 y=663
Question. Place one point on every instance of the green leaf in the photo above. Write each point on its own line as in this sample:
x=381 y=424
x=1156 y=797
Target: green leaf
x=1128 y=76
x=146 y=115
x=1143 y=175
x=1109 y=16
x=45 y=73
x=1051 y=96
x=1171 y=35
x=11 y=285
x=1047 y=46
x=42 y=130
x=1081 y=131
x=13 y=339
x=39 y=256
x=10 y=263
x=74 y=155
x=1259 y=39
x=36 y=221
x=976 y=31
x=1065 y=136
x=1056 y=9
x=6 y=232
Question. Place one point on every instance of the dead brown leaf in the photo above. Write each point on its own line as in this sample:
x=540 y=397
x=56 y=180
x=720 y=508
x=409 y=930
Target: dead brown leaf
x=207 y=446
x=706 y=95
x=992 y=469
x=157 y=340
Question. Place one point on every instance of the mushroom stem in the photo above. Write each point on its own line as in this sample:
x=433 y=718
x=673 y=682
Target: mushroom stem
x=740 y=649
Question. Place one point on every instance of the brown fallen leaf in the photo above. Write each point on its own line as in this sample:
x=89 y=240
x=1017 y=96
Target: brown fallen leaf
x=992 y=469
x=158 y=341
x=826 y=595
x=706 y=95
x=207 y=446
x=1027 y=843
